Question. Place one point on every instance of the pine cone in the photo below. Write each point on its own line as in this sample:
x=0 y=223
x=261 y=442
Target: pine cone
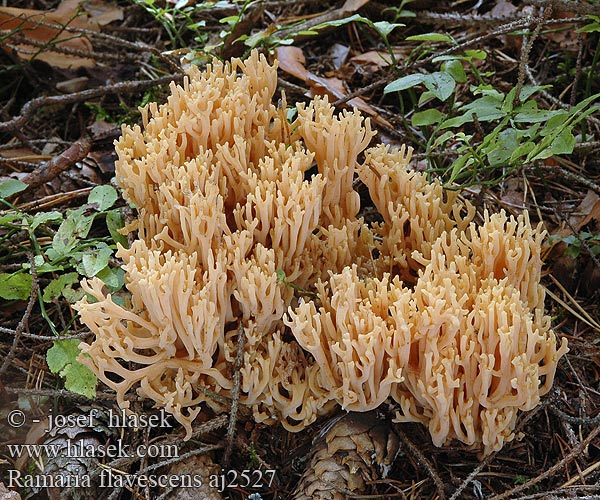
x=357 y=448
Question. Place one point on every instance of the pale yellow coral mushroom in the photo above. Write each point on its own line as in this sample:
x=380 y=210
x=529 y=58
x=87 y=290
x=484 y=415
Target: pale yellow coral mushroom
x=425 y=308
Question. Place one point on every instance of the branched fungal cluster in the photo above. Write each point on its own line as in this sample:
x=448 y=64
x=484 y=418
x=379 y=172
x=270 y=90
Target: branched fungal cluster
x=426 y=308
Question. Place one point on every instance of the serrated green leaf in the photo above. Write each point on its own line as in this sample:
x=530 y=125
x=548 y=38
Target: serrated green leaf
x=57 y=287
x=441 y=84
x=431 y=37
x=427 y=117
x=15 y=286
x=81 y=380
x=62 y=360
x=103 y=197
x=11 y=186
x=404 y=83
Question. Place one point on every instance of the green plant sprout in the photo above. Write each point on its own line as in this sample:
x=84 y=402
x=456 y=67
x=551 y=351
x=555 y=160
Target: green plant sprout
x=66 y=255
x=281 y=278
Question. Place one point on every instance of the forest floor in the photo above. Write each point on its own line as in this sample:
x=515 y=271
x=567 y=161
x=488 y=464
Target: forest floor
x=435 y=76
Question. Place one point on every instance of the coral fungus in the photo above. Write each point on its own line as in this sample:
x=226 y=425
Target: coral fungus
x=426 y=308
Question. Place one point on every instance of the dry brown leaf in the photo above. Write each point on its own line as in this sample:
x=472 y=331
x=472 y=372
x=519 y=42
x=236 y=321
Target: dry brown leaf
x=291 y=60
x=353 y=5
x=47 y=28
x=103 y=13
x=372 y=61
x=588 y=209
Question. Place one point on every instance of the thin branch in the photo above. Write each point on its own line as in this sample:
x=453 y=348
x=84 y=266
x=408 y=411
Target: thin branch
x=235 y=395
x=25 y=318
x=39 y=102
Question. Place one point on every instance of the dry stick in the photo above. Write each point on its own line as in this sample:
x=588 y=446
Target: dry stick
x=10 y=331
x=526 y=50
x=63 y=393
x=235 y=395
x=25 y=319
x=578 y=69
x=50 y=169
x=39 y=102
x=552 y=470
x=423 y=462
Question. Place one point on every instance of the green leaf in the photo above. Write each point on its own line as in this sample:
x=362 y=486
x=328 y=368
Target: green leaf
x=384 y=28
x=564 y=143
x=442 y=139
x=528 y=90
x=57 y=287
x=427 y=117
x=11 y=186
x=114 y=223
x=536 y=116
x=431 y=37
x=503 y=147
x=523 y=150
x=555 y=122
x=15 y=286
x=476 y=54
x=455 y=69
x=113 y=278
x=7 y=219
x=43 y=218
x=62 y=360
x=72 y=229
x=341 y=22
x=103 y=197
x=441 y=84
x=404 y=83
x=93 y=261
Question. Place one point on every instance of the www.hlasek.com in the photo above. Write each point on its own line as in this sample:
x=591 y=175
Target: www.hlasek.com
x=108 y=477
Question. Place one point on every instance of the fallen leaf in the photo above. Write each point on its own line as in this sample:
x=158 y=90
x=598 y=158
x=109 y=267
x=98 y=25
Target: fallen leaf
x=291 y=60
x=588 y=209
x=47 y=29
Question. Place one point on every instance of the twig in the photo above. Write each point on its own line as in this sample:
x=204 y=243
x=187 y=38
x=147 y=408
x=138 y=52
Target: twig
x=25 y=318
x=50 y=169
x=10 y=331
x=552 y=470
x=575 y=177
x=526 y=50
x=439 y=486
x=235 y=395
x=39 y=102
